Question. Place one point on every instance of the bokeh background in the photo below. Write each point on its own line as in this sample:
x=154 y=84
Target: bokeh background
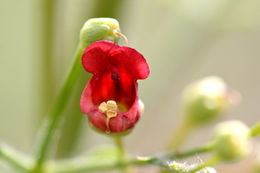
x=183 y=41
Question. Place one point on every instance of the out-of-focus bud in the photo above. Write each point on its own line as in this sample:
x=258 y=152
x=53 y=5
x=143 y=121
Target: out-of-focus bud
x=255 y=130
x=96 y=29
x=232 y=140
x=206 y=99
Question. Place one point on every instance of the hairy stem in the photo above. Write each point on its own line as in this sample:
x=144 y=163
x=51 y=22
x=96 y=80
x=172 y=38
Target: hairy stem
x=210 y=162
x=81 y=165
x=192 y=152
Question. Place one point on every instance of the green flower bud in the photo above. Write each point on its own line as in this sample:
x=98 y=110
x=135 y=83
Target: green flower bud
x=255 y=130
x=206 y=99
x=232 y=140
x=99 y=29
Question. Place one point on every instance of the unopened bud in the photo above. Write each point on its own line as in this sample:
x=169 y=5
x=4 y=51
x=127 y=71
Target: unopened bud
x=96 y=29
x=232 y=140
x=206 y=99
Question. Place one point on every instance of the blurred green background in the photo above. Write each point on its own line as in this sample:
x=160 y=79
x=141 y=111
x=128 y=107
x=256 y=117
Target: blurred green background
x=182 y=40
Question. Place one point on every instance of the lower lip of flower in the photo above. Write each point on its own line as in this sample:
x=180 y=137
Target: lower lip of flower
x=110 y=109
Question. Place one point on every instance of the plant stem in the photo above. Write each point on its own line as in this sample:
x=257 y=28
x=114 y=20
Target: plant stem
x=57 y=110
x=13 y=158
x=192 y=152
x=120 y=148
x=45 y=53
x=121 y=153
x=82 y=166
x=179 y=136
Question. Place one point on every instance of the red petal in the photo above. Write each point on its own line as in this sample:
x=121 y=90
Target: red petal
x=122 y=122
x=94 y=58
x=104 y=56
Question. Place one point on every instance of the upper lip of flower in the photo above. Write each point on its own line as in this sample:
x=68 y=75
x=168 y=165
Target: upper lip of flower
x=106 y=56
x=115 y=71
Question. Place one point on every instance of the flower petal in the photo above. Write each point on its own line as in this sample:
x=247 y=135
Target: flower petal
x=122 y=122
x=94 y=58
x=104 y=56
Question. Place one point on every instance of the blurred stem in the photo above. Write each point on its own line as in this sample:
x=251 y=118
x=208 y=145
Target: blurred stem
x=46 y=55
x=107 y=8
x=210 y=162
x=57 y=110
x=71 y=128
x=192 y=152
x=180 y=135
x=121 y=152
x=82 y=166
x=255 y=130
x=13 y=158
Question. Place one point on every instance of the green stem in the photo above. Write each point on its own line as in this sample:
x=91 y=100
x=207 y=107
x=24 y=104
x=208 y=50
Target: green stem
x=192 y=152
x=45 y=52
x=15 y=159
x=210 y=162
x=121 y=153
x=82 y=166
x=179 y=136
x=57 y=110
x=120 y=148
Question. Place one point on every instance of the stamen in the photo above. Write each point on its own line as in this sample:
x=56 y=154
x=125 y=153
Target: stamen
x=102 y=107
x=123 y=36
x=109 y=108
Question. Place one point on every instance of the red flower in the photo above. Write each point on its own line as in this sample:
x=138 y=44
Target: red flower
x=110 y=98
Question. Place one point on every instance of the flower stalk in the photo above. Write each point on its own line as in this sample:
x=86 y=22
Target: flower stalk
x=121 y=154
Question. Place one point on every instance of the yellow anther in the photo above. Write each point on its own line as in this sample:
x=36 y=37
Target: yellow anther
x=103 y=107
x=111 y=105
x=110 y=109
